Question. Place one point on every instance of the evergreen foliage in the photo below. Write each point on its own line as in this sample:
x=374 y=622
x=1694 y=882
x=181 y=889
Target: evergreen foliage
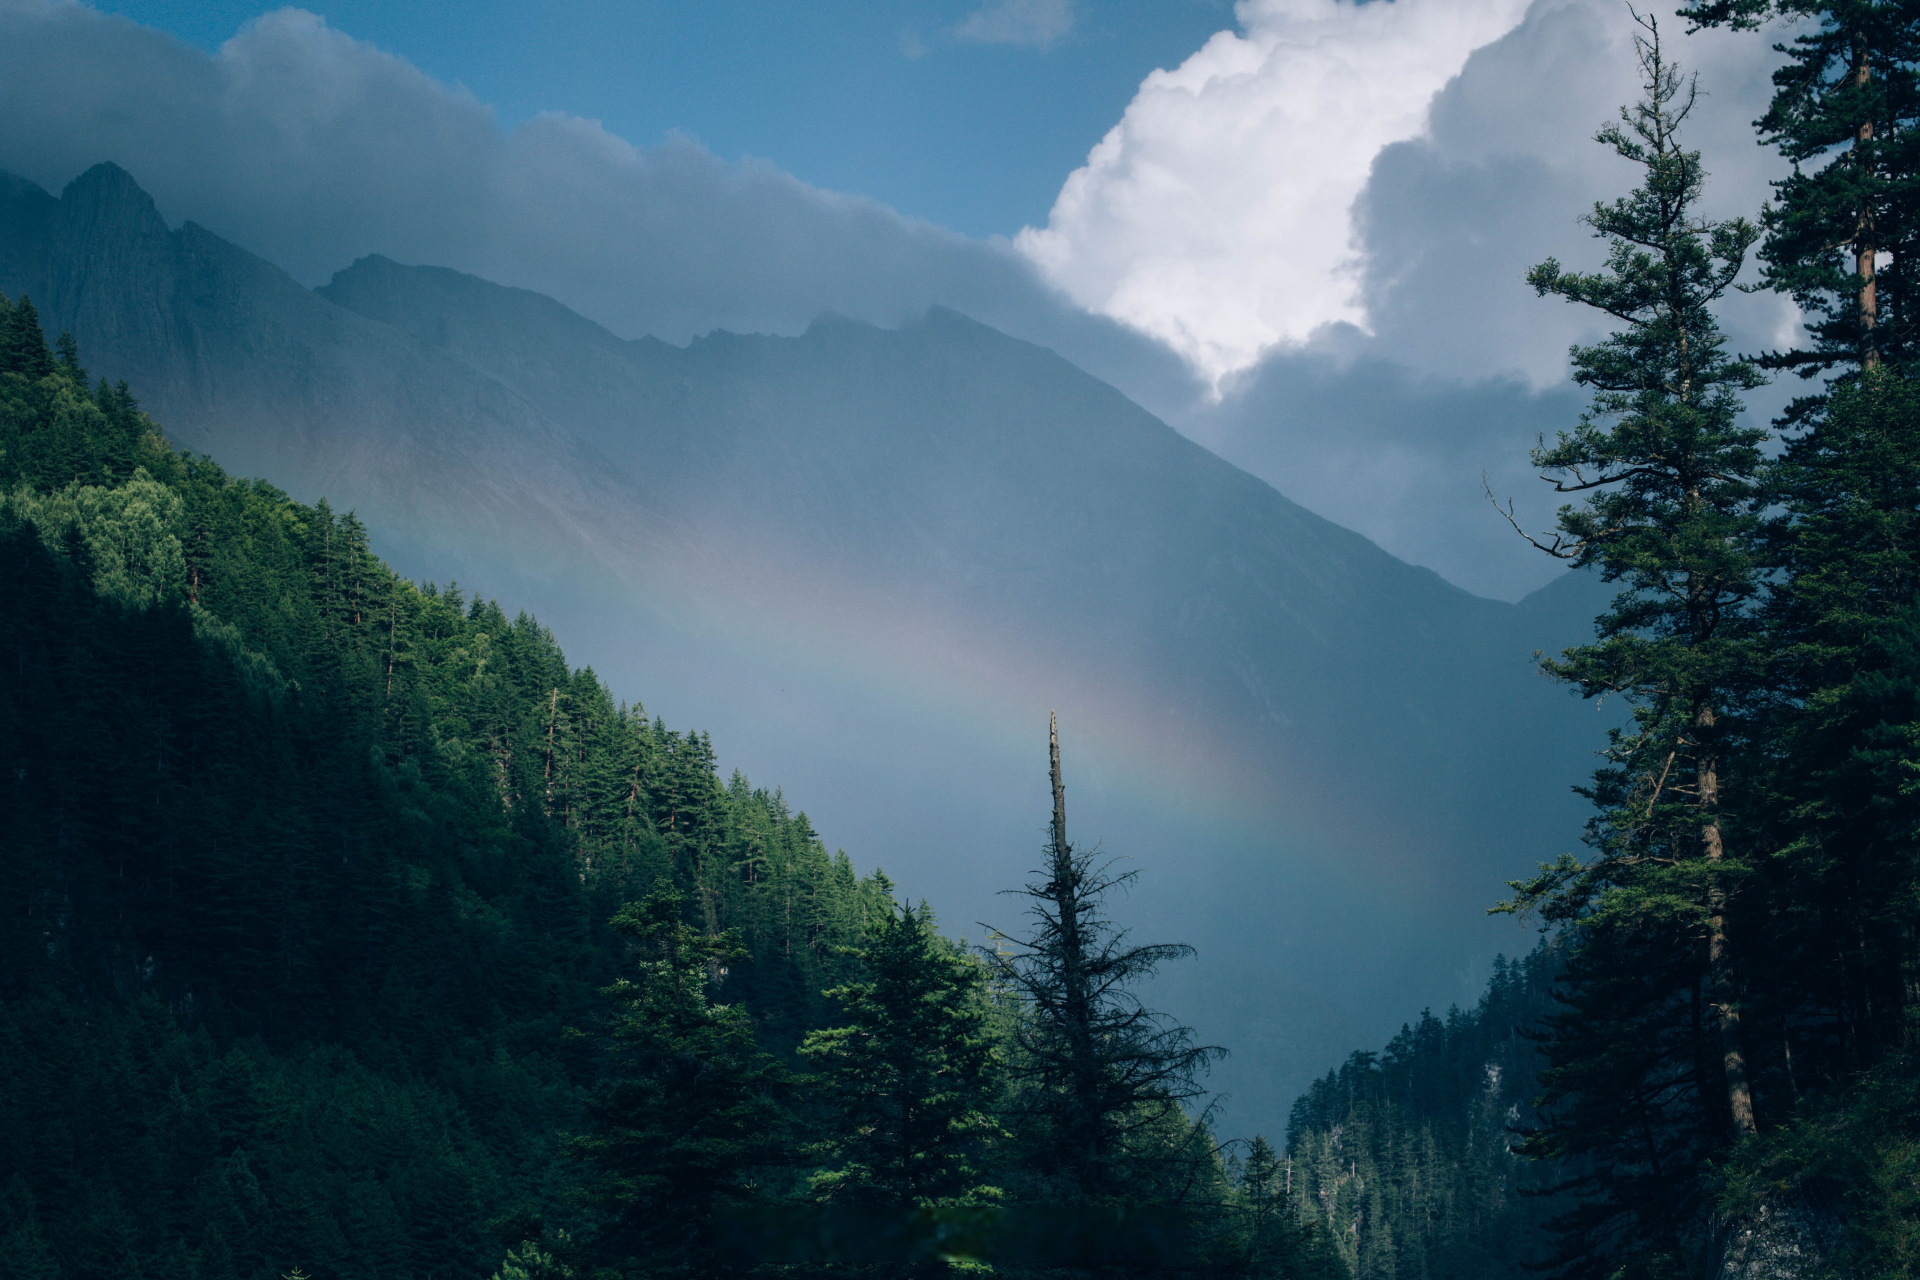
x=911 y=1076
x=347 y=930
x=308 y=870
x=1405 y=1158
x=691 y=1107
x=1099 y=1079
x=1279 y=1239
x=1837 y=896
x=1731 y=1047
x=1842 y=234
x=350 y=931
x=1649 y=1071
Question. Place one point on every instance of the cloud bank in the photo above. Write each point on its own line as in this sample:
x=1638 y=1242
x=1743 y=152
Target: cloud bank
x=1447 y=366
x=1214 y=216
x=1375 y=167
x=1451 y=220
x=311 y=149
x=1370 y=195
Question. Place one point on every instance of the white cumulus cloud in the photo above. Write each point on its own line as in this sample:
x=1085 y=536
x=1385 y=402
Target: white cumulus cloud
x=1216 y=215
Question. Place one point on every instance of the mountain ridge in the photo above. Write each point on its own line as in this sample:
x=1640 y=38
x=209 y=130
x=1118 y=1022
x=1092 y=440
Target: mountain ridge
x=880 y=553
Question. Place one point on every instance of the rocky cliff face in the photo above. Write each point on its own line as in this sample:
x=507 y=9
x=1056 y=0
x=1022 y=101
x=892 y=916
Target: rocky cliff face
x=871 y=560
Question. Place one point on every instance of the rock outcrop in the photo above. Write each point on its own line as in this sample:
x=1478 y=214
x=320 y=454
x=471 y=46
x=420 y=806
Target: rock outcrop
x=1795 y=1237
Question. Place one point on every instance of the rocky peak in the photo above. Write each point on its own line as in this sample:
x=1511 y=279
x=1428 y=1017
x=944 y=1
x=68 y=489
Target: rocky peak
x=105 y=205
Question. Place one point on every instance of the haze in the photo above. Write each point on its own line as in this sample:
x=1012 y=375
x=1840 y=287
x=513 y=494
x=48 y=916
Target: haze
x=1162 y=195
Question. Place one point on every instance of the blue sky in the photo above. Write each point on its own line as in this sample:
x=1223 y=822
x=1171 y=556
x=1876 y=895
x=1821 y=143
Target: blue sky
x=880 y=97
x=1297 y=230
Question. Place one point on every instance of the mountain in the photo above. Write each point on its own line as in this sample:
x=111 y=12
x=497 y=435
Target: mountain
x=308 y=938
x=874 y=560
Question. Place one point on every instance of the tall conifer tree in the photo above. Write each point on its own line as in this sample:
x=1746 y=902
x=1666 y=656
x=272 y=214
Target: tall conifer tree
x=693 y=1107
x=1671 y=488
x=1836 y=895
x=1100 y=1075
x=1844 y=230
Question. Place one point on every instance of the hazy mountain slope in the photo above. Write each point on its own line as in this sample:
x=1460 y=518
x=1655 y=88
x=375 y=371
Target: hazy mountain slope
x=871 y=561
x=990 y=484
x=245 y=364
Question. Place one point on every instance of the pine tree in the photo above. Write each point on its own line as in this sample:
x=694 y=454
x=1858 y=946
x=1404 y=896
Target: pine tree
x=1842 y=237
x=1278 y=1241
x=1673 y=490
x=1098 y=1074
x=23 y=343
x=1838 y=891
x=694 y=1105
x=69 y=352
x=1835 y=896
x=911 y=1077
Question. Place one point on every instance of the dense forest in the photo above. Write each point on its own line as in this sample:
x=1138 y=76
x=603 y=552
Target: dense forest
x=310 y=872
x=351 y=932
x=1406 y=1156
x=1728 y=1080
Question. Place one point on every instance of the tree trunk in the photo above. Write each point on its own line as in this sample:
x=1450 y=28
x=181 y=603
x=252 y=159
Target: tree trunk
x=546 y=773
x=1865 y=250
x=1059 y=791
x=1909 y=978
x=393 y=622
x=1720 y=976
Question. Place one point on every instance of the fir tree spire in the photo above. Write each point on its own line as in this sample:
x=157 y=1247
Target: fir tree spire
x=1100 y=1077
x=1059 y=791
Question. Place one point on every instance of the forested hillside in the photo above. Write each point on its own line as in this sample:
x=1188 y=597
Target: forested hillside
x=308 y=873
x=1406 y=1155
x=869 y=558
x=347 y=931
x=350 y=932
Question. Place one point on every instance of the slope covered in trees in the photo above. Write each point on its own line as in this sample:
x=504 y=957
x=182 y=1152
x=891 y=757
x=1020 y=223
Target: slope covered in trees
x=867 y=558
x=1406 y=1156
x=350 y=932
x=309 y=870
x=347 y=928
